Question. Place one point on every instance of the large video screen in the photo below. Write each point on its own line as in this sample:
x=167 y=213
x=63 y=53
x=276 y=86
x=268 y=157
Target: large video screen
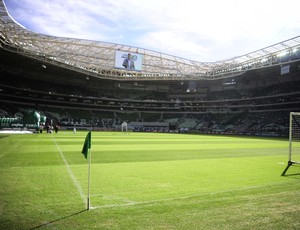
x=128 y=60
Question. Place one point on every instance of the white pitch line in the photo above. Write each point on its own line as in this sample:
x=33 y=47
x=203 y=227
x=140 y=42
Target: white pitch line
x=133 y=203
x=75 y=181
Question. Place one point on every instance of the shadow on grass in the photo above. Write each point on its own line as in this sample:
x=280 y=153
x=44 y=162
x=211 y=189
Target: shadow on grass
x=59 y=219
x=294 y=175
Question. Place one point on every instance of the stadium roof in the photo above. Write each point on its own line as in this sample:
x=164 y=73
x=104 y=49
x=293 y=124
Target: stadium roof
x=97 y=58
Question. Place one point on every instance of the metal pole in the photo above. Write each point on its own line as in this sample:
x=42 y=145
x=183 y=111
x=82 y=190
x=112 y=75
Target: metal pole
x=89 y=180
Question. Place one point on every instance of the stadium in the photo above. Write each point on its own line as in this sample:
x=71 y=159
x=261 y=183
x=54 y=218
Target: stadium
x=222 y=125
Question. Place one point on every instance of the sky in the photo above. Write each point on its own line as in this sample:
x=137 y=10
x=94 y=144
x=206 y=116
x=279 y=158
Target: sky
x=205 y=31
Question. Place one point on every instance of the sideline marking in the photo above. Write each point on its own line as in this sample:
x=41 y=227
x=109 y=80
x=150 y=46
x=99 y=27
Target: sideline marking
x=150 y=202
x=75 y=181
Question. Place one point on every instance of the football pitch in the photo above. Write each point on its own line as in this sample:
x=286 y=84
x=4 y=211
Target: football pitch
x=147 y=181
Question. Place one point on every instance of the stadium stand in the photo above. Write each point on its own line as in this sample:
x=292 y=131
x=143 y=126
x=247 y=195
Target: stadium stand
x=240 y=96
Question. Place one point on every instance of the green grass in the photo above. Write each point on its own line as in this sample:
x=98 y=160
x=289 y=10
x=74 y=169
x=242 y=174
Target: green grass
x=147 y=181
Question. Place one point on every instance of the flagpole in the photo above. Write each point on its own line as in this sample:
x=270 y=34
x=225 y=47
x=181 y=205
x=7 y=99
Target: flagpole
x=89 y=180
x=86 y=151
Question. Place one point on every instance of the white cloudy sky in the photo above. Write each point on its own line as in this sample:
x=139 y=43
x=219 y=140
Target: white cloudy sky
x=210 y=30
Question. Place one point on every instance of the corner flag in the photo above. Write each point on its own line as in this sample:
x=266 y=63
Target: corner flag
x=87 y=145
x=85 y=149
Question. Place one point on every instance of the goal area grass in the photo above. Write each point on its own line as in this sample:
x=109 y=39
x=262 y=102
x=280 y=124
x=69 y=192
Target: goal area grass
x=147 y=181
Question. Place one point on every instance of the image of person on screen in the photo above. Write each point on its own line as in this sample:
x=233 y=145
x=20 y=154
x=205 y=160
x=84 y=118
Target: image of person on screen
x=128 y=63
